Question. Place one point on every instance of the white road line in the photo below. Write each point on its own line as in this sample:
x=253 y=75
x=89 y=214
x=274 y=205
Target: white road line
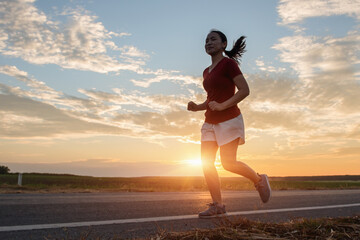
x=158 y=219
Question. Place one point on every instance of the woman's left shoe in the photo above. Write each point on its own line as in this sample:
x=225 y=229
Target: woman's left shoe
x=214 y=210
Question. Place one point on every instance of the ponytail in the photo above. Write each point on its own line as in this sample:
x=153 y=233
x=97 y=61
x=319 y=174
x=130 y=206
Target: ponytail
x=238 y=49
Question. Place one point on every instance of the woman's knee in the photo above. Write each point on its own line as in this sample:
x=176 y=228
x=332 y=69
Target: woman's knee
x=228 y=161
x=228 y=165
x=234 y=166
x=228 y=155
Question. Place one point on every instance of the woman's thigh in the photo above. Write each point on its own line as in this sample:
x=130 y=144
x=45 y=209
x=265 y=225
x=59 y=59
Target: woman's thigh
x=228 y=151
x=208 y=151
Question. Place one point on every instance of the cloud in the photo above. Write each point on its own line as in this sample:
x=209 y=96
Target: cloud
x=348 y=151
x=355 y=132
x=311 y=55
x=261 y=65
x=137 y=99
x=296 y=113
x=82 y=43
x=274 y=103
x=327 y=67
x=13 y=71
x=163 y=75
x=178 y=123
x=39 y=89
x=42 y=111
x=295 y=11
x=320 y=104
x=132 y=51
x=26 y=118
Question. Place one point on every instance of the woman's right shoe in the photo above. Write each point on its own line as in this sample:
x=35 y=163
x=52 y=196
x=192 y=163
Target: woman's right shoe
x=263 y=187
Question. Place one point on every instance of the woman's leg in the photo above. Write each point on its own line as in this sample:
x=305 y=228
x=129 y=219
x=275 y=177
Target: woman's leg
x=228 y=161
x=208 y=155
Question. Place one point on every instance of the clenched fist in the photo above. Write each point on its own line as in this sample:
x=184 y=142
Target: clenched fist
x=192 y=106
x=215 y=106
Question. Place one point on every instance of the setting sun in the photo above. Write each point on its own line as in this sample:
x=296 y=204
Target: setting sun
x=193 y=162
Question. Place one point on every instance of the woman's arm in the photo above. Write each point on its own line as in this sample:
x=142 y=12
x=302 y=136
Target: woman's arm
x=243 y=92
x=196 y=107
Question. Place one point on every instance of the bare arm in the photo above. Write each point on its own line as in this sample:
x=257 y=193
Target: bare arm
x=243 y=92
x=196 y=107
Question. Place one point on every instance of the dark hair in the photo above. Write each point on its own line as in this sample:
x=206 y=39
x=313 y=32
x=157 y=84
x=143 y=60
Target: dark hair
x=238 y=49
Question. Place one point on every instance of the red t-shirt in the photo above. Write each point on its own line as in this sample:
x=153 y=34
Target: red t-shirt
x=220 y=86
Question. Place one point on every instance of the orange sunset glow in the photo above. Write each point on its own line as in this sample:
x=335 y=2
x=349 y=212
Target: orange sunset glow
x=88 y=88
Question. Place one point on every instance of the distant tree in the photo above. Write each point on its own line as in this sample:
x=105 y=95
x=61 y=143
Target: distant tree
x=4 y=170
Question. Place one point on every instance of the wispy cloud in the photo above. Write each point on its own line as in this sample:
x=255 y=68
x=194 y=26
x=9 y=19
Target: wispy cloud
x=278 y=103
x=37 y=119
x=311 y=55
x=319 y=106
x=81 y=43
x=163 y=75
x=292 y=12
x=326 y=65
x=120 y=112
x=268 y=68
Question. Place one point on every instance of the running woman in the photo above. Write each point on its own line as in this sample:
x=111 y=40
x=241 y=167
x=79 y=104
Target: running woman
x=223 y=127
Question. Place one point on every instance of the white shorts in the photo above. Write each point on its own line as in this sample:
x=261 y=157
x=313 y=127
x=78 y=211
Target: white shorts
x=224 y=132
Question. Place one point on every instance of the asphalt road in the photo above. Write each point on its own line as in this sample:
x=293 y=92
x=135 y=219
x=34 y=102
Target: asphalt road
x=132 y=215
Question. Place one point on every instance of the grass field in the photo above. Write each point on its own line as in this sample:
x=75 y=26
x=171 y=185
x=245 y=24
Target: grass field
x=241 y=228
x=64 y=182
x=341 y=228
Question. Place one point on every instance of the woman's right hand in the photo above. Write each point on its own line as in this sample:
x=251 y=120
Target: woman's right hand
x=192 y=106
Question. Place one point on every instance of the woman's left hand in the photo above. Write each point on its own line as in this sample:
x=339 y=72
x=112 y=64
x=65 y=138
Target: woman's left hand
x=215 y=106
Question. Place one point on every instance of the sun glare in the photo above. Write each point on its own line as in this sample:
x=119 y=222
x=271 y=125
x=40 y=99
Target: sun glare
x=193 y=162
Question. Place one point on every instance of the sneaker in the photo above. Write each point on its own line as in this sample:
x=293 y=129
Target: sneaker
x=263 y=187
x=214 y=210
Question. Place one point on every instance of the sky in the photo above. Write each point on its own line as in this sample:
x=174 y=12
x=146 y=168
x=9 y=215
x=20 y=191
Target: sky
x=100 y=88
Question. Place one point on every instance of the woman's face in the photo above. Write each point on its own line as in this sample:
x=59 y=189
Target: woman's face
x=213 y=44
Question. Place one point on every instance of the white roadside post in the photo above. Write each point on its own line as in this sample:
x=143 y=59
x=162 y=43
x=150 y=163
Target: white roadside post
x=20 y=179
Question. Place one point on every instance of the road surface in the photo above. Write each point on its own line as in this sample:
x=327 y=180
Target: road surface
x=131 y=215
